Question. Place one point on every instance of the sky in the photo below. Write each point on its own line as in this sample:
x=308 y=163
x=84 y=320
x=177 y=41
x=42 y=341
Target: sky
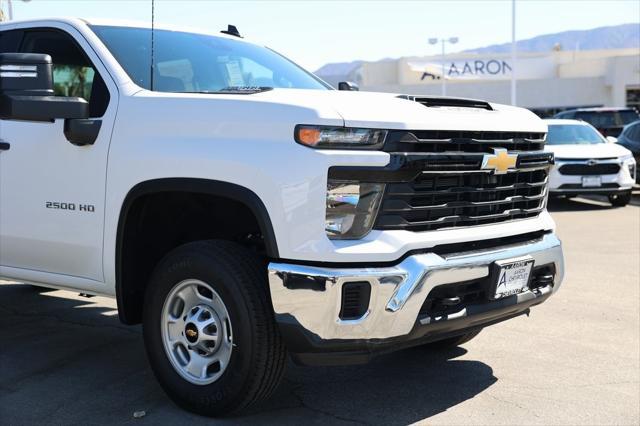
x=313 y=33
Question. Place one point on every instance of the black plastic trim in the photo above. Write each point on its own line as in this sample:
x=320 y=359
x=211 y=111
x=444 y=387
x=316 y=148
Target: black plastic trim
x=81 y=131
x=202 y=186
x=309 y=349
x=405 y=167
x=435 y=101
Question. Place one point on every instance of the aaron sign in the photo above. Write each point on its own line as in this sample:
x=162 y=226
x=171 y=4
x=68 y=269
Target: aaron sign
x=482 y=68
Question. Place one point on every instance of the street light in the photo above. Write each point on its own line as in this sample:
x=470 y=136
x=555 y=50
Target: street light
x=9 y=9
x=450 y=40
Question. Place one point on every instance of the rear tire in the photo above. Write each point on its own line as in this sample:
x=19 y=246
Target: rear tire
x=452 y=342
x=231 y=355
x=620 y=200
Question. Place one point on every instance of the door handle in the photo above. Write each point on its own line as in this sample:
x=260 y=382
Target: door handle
x=4 y=146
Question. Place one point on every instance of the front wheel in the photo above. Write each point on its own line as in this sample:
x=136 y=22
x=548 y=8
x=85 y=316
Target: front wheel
x=620 y=200
x=209 y=330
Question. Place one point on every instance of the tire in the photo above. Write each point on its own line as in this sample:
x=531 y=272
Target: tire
x=620 y=200
x=248 y=357
x=453 y=342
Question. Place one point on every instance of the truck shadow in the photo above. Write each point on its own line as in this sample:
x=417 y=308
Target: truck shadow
x=94 y=370
x=400 y=388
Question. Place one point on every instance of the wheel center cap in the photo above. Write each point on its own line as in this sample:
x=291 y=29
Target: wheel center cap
x=191 y=332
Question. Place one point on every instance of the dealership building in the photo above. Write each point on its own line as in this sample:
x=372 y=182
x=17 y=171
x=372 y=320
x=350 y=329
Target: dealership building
x=546 y=82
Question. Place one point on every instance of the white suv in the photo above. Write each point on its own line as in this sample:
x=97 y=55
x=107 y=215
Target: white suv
x=586 y=163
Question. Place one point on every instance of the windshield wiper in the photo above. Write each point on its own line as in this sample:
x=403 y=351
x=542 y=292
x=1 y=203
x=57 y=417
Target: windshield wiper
x=235 y=90
x=245 y=89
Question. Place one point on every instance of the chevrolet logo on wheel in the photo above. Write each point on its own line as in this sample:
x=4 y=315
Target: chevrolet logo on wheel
x=500 y=161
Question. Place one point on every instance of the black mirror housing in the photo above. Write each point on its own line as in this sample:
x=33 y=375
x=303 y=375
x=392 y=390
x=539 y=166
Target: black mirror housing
x=348 y=85
x=26 y=90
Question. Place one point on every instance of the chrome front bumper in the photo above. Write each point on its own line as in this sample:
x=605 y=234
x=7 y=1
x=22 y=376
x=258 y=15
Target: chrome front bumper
x=311 y=295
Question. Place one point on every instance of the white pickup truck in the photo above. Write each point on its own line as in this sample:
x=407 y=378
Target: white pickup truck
x=241 y=209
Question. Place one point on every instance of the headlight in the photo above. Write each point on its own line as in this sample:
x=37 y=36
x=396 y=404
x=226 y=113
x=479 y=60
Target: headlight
x=339 y=137
x=351 y=208
x=630 y=162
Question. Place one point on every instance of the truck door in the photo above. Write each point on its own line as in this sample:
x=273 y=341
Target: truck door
x=52 y=192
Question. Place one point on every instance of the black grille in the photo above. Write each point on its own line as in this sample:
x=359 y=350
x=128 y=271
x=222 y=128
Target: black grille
x=579 y=186
x=355 y=300
x=432 y=101
x=435 y=179
x=434 y=201
x=468 y=293
x=587 y=169
x=448 y=299
x=436 y=141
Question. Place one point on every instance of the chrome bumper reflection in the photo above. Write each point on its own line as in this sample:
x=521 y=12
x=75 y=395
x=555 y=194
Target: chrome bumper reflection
x=312 y=294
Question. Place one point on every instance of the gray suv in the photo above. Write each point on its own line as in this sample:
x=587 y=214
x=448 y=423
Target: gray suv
x=608 y=121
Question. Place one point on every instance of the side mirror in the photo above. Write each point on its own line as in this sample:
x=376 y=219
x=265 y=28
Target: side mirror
x=26 y=90
x=348 y=85
x=612 y=139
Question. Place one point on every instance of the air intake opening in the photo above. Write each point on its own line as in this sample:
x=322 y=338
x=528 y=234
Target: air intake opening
x=355 y=300
x=429 y=101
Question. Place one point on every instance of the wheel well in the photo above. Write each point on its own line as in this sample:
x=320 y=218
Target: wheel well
x=159 y=216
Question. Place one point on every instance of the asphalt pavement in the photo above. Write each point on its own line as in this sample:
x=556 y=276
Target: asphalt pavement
x=65 y=359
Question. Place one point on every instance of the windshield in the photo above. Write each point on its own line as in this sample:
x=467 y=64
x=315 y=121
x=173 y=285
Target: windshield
x=188 y=62
x=604 y=119
x=569 y=134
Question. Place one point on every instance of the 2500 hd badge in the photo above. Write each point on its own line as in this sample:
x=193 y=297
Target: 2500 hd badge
x=70 y=206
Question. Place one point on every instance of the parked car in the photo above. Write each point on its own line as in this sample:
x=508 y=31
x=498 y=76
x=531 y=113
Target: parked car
x=586 y=164
x=244 y=210
x=608 y=121
x=630 y=139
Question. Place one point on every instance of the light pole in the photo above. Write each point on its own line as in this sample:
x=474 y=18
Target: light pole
x=513 y=53
x=450 y=40
x=10 y=8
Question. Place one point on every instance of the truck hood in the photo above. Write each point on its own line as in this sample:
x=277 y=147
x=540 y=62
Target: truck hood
x=388 y=111
x=582 y=151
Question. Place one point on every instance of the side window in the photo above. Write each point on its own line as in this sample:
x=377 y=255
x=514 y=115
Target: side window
x=634 y=133
x=10 y=40
x=73 y=73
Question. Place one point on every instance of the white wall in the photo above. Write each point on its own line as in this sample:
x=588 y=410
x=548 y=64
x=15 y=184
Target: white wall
x=585 y=78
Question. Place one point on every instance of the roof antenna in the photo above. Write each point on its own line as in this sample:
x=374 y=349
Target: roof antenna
x=152 y=38
x=232 y=30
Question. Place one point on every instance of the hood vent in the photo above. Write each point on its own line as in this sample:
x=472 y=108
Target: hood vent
x=429 y=101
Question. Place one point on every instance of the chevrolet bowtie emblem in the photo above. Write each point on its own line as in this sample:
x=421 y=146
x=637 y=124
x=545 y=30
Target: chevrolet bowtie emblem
x=191 y=333
x=500 y=161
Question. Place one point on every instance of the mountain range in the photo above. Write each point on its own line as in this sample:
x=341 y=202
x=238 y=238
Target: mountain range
x=613 y=37
x=616 y=37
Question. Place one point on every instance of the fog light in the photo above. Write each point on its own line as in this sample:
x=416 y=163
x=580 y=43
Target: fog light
x=351 y=208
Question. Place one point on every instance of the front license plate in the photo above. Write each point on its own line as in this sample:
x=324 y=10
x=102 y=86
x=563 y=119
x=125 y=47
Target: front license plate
x=591 y=181
x=512 y=277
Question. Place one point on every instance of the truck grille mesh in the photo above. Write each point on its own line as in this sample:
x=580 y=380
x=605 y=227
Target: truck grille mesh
x=440 y=201
x=462 y=141
x=451 y=190
x=589 y=169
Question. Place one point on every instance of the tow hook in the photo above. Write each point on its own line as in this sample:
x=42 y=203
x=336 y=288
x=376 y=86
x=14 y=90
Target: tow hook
x=450 y=301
